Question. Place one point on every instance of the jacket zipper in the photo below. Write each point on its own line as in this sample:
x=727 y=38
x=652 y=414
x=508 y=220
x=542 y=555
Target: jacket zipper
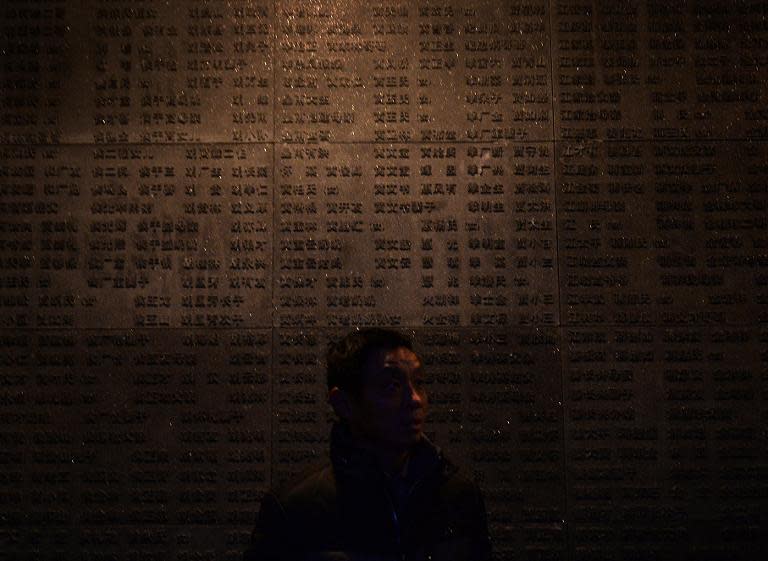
x=395 y=520
x=396 y=523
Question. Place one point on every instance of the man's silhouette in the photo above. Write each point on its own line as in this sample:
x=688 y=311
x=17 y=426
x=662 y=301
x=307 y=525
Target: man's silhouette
x=388 y=493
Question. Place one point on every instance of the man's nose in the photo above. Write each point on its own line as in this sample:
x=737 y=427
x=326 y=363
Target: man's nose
x=415 y=394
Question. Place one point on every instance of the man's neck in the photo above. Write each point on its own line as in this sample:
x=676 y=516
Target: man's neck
x=392 y=461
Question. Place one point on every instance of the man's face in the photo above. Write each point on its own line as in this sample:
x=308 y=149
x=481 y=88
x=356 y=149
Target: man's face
x=392 y=405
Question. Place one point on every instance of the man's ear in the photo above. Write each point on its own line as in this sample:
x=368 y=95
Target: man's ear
x=340 y=401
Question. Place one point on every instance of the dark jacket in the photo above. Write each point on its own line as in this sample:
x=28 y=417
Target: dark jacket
x=352 y=510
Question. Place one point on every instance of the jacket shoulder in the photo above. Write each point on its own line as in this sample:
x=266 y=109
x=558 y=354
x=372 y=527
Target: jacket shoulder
x=292 y=510
x=311 y=494
x=459 y=486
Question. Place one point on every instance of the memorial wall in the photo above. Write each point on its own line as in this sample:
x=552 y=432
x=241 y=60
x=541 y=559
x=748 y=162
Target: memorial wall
x=564 y=202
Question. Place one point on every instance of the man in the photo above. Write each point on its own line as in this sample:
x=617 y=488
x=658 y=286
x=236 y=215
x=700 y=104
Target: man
x=388 y=493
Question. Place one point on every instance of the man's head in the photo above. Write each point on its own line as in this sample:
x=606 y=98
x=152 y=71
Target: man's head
x=376 y=384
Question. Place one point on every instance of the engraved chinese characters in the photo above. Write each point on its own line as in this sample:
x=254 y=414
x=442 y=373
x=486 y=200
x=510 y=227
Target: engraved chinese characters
x=563 y=201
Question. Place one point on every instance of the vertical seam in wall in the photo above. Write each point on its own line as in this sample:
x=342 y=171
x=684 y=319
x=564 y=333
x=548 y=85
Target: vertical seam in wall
x=560 y=318
x=273 y=311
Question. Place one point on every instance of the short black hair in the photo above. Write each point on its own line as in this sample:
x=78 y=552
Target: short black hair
x=346 y=357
